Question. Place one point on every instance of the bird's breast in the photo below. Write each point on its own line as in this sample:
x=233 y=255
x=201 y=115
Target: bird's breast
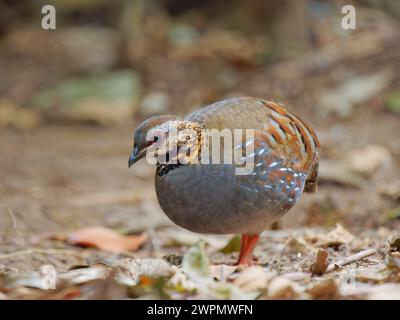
x=214 y=198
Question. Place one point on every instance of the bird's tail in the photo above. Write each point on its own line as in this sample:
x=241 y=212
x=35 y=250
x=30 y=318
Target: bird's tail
x=312 y=181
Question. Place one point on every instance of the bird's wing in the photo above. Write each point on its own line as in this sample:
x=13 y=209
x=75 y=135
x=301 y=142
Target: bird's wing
x=278 y=134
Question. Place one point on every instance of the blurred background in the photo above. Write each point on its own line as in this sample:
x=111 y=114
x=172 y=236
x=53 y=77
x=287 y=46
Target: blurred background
x=70 y=99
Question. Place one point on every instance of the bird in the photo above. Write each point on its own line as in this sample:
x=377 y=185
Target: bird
x=212 y=198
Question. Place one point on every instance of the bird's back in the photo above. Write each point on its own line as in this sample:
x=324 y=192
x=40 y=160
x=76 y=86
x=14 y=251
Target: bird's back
x=286 y=134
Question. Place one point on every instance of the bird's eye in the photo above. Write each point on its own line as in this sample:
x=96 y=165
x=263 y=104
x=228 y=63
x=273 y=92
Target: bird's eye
x=155 y=139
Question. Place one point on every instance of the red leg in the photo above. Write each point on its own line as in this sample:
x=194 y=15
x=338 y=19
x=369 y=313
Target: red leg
x=243 y=244
x=246 y=251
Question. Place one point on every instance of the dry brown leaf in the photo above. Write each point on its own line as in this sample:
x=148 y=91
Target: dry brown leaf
x=222 y=272
x=367 y=160
x=334 y=171
x=253 y=278
x=129 y=271
x=375 y=273
x=299 y=245
x=282 y=288
x=106 y=239
x=395 y=245
x=335 y=237
x=353 y=91
x=326 y=289
x=391 y=190
x=82 y=275
x=320 y=264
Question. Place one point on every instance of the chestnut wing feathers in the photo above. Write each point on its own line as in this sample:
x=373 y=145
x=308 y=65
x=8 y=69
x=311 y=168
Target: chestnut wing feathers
x=287 y=137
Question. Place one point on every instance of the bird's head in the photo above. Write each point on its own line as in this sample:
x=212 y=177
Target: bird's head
x=168 y=138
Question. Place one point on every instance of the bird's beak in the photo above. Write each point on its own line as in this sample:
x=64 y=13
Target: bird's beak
x=136 y=155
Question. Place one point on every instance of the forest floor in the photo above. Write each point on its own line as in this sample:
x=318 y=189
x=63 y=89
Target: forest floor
x=58 y=180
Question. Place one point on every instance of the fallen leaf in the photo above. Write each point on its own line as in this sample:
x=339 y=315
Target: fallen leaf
x=253 y=278
x=196 y=264
x=395 y=245
x=106 y=239
x=108 y=98
x=334 y=171
x=282 y=288
x=375 y=273
x=104 y=289
x=356 y=90
x=21 y=279
x=326 y=289
x=82 y=275
x=222 y=272
x=393 y=265
x=299 y=245
x=129 y=271
x=367 y=160
x=233 y=245
x=179 y=282
x=335 y=237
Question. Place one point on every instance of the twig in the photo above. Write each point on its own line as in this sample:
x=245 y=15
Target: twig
x=350 y=259
x=12 y=216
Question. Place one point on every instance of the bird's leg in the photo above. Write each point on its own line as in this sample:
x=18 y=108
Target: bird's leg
x=246 y=251
x=243 y=244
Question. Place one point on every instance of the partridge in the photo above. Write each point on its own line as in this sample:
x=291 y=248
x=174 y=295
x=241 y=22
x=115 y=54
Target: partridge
x=212 y=197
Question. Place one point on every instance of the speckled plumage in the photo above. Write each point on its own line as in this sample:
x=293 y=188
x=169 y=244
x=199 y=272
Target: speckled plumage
x=213 y=199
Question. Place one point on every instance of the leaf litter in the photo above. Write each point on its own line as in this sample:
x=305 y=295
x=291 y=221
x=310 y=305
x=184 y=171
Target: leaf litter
x=320 y=265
